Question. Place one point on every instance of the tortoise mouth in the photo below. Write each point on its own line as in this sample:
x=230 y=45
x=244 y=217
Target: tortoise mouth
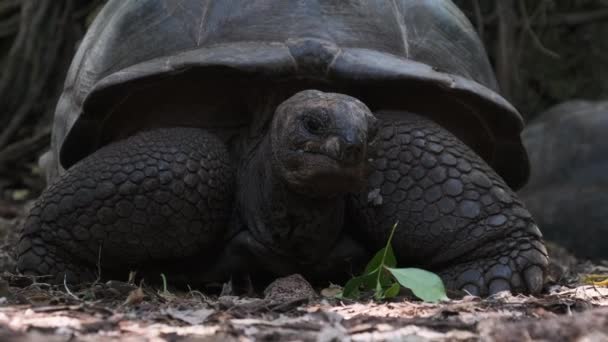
x=332 y=159
x=318 y=174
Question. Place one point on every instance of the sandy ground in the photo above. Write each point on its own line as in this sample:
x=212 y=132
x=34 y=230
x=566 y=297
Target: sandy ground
x=570 y=309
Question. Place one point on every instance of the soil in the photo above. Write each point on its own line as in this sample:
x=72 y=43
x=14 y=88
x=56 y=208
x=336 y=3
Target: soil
x=570 y=309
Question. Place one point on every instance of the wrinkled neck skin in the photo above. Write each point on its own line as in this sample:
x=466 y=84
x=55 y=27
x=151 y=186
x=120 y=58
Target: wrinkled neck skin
x=289 y=224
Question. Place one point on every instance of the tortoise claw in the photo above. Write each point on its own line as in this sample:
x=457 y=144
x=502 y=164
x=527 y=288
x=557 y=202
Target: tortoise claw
x=522 y=274
x=533 y=276
x=498 y=285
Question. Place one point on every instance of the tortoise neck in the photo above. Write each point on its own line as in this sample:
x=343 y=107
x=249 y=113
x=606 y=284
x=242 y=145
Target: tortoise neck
x=287 y=222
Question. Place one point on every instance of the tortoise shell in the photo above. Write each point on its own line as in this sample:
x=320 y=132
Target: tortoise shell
x=206 y=62
x=567 y=192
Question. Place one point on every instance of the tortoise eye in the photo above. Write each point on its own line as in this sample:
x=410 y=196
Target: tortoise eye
x=313 y=125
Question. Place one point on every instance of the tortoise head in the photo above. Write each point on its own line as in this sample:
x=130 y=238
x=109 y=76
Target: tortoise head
x=320 y=142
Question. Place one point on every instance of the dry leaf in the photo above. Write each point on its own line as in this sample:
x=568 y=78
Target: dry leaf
x=596 y=279
x=135 y=297
x=193 y=317
x=331 y=291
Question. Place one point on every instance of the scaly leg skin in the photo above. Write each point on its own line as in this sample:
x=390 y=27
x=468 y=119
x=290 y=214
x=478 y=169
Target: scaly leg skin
x=456 y=216
x=157 y=196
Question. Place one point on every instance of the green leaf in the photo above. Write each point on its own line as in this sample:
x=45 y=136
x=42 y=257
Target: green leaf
x=368 y=281
x=392 y=291
x=384 y=258
x=376 y=265
x=424 y=284
x=379 y=293
x=391 y=260
x=379 y=273
x=376 y=262
x=353 y=286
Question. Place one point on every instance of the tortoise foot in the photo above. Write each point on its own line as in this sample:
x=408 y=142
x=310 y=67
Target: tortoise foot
x=518 y=269
x=48 y=265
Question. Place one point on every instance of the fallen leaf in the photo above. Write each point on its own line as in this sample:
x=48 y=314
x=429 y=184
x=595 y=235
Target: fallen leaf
x=596 y=279
x=424 y=284
x=135 y=297
x=192 y=317
x=331 y=291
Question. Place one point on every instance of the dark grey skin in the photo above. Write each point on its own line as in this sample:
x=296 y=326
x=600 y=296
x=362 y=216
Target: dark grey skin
x=292 y=188
x=304 y=198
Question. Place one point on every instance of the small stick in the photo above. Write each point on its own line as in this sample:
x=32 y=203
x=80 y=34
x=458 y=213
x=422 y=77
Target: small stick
x=67 y=289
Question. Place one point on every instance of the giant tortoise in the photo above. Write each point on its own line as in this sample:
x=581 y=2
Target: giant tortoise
x=567 y=192
x=209 y=138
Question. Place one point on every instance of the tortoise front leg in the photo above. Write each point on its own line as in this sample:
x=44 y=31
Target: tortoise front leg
x=158 y=196
x=456 y=215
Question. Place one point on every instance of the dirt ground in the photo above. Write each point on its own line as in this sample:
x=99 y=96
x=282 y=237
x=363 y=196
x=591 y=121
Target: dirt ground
x=572 y=308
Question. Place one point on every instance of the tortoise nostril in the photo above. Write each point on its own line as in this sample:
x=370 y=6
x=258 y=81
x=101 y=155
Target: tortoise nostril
x=342 y=151
x=352 y=153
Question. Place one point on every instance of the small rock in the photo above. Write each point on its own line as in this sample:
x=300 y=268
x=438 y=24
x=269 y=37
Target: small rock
x=289 y=288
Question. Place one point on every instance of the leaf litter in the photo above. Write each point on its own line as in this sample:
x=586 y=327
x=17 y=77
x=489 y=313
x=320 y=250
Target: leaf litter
x=574 y=306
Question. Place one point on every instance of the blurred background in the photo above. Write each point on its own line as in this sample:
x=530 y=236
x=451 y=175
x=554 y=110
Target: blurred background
x=545 y=53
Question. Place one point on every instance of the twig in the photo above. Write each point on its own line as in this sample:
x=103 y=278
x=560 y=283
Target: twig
x=525 y=20
x=506 y=59
x=43 y=35
x=25 y=73
x=478 y=18
x=557 y=19
x=67 y=289
x=98 y=279
x=24 y=148
x=10 y=26
x=578 y=18
x=98 y=265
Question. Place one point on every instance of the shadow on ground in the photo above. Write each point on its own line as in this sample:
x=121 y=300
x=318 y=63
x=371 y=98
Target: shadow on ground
x=571 y=308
